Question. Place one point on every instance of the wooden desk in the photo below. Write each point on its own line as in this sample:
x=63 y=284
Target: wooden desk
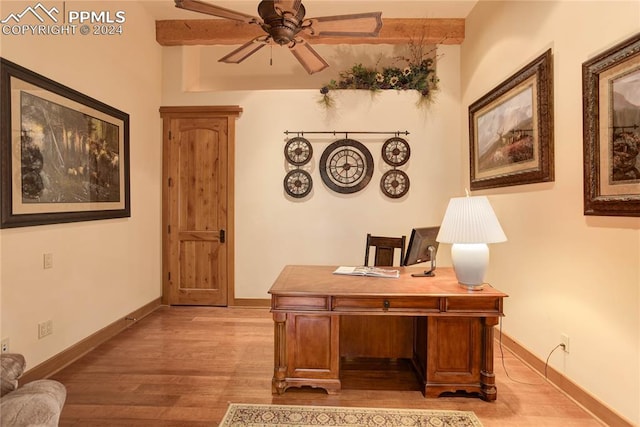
x=446 y=330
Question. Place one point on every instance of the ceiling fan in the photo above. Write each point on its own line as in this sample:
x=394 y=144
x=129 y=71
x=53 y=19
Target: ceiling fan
x=284 y=21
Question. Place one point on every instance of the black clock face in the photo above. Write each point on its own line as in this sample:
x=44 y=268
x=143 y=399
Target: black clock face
x=396 y=151
x=394 y=183
x=298 y=183
x=346 y=166
x=298 y=151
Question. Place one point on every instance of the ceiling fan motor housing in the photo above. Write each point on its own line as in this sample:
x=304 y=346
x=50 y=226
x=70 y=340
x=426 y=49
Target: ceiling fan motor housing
x=281 y=25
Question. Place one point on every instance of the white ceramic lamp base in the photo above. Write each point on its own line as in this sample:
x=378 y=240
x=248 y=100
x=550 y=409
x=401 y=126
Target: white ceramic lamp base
x=470 y=262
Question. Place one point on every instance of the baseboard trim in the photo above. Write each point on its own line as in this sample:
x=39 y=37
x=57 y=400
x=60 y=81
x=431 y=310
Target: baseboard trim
x=76 y=351
x=251 y=302
x=599 y=409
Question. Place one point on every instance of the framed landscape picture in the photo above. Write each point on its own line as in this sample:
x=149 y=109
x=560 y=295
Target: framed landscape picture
x=611 y=131
x=511 y=129
x=64 y=156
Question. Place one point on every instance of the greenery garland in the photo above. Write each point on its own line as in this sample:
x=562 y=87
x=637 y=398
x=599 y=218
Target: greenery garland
x=419 y=75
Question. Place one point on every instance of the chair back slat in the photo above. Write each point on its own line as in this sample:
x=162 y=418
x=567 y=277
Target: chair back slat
x=385 y=248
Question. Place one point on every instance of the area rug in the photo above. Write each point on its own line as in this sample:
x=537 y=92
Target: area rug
x=303 y=416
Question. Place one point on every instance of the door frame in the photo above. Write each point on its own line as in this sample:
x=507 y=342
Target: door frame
x=231 y=112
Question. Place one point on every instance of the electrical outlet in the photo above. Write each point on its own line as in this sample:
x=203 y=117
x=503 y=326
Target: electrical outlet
x=42 y=330
x=45 y=328
x=564 y=340
x=5 y=345
x=47 y=261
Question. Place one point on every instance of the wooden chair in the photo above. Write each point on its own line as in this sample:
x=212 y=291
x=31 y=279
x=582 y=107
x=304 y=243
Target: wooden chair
x=385 y=248
x=369 y=329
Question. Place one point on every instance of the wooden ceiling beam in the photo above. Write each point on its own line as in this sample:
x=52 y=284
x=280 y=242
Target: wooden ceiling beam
x=189 y=32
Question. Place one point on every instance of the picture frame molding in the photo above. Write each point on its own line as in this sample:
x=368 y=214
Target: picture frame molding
x=595 y=203
x=540 y=69
x=11 y=219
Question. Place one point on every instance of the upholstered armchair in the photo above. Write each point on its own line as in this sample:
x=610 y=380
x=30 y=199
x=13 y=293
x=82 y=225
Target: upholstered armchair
x=38 y=403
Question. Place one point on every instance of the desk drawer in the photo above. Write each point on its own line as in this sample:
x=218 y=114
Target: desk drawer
x=427 y=304
x=474 y=305
x=303 y=303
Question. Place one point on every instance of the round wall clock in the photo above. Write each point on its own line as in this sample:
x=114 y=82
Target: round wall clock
x=396 y=151
x=346 y=166
x=298 y=151
x=394 y=183
x=298 y=183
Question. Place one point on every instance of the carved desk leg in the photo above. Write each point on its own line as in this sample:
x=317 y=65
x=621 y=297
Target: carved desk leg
x=487 y=377
x=278 y=384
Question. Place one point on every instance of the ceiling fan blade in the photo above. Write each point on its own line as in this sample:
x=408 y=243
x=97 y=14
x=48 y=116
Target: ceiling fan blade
x=354 y=25
x=210 y=9
x=244 y=51
x=308 y=57
x=288 y=5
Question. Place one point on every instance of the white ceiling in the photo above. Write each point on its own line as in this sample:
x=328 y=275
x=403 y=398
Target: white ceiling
x=166 y=9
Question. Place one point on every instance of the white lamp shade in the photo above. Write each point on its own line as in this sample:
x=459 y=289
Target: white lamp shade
x=470 y=220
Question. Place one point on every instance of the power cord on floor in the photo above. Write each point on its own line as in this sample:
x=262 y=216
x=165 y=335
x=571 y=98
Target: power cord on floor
x=546 y=364
x=550 y=353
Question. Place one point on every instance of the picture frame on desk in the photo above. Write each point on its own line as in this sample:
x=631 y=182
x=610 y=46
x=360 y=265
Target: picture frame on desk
x=611 y=131
x=511 y=129
x=64 y=156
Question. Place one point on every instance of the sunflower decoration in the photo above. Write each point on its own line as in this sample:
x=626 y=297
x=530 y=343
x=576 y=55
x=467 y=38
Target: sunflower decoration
x=419 y=76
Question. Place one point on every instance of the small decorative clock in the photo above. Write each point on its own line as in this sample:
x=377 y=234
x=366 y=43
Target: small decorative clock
x=346 y=166
x=298 y=183
x=298 y=151
x=396 y=151
x=394 y=183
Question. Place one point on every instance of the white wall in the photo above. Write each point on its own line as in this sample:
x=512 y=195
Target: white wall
x=564 y=272
x=273 y=230
x=102 y=269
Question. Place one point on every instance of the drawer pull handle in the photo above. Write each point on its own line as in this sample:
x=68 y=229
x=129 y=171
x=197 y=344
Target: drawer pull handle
x=386 y=304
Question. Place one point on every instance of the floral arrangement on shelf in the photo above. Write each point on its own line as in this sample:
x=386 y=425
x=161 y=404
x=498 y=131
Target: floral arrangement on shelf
x=418 y=74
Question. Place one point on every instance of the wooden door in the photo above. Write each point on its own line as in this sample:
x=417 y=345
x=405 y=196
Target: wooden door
x=198 y=201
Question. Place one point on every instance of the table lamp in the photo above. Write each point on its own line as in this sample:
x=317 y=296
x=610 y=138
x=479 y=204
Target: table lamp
x=470 y=223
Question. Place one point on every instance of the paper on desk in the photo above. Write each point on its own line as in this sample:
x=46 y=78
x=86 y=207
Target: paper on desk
x=367 y=271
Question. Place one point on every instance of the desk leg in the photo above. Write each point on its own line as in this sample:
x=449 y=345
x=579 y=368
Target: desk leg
x=487 y=377
x=278 y=384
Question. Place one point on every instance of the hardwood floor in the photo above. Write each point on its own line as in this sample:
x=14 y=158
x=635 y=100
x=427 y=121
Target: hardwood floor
x=181 y=366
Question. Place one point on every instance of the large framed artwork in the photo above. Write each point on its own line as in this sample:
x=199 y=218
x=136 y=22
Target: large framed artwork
x=64 y=156
x=611 y=130
x=511 y=129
